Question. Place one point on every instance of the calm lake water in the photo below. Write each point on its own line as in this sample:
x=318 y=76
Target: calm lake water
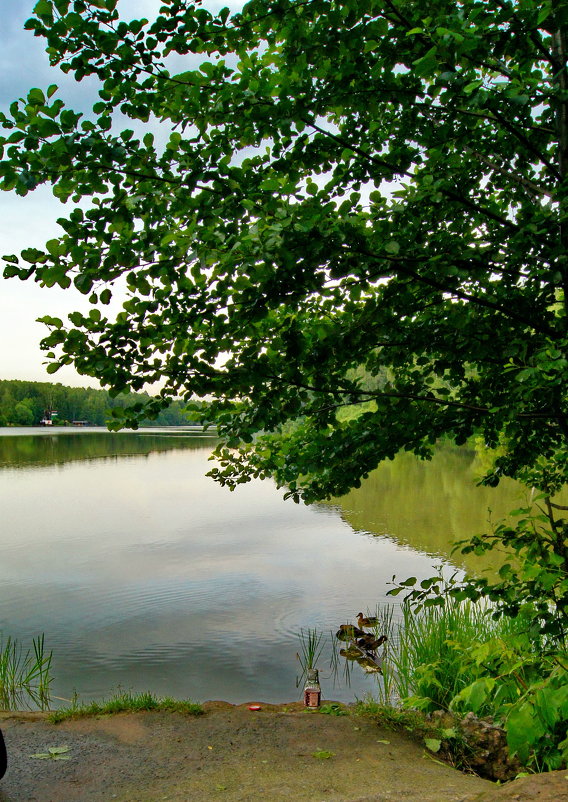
x=145 y=575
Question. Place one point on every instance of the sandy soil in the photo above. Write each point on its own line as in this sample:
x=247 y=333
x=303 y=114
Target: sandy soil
x=234 y=755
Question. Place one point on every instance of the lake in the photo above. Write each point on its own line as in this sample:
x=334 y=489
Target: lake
x=145 y=575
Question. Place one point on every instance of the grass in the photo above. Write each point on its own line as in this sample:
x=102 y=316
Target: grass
x=125 y=702
x=424 y=663
x=395 y=718
x=25 y=678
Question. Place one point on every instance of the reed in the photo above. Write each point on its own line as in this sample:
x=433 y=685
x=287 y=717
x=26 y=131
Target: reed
x=424 y=665
x=25 y=678
x=312 y=643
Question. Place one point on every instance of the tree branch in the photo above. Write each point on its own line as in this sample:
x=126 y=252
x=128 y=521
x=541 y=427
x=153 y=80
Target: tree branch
x=401 y=265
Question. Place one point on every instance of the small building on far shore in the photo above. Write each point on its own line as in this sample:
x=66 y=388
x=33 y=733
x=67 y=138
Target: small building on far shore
x=48 y=417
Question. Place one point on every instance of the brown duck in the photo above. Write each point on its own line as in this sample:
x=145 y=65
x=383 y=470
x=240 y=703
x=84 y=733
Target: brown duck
x=370 y=644
x=366 y=621
x=348 y=632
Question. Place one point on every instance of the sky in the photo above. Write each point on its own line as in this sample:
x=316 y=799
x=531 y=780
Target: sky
x=30 y=221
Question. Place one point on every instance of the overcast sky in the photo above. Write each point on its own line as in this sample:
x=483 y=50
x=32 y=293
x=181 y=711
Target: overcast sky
x=30 y=221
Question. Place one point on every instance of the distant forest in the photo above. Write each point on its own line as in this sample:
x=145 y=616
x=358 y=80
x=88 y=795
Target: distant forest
x=25 y=403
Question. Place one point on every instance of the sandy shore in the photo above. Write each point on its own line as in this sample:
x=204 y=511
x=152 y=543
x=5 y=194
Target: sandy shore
x=231 y=753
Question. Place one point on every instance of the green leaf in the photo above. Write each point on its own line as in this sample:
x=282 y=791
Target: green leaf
x=43 y=8
x=353 y=412
x=36 y=96
x=544 y=12
x=523 y=729
x=53 y=753
x=426 y=64
x=270 y=184
x=53 y=247
x=474 y=695
x=433 y=744
x=323 y=754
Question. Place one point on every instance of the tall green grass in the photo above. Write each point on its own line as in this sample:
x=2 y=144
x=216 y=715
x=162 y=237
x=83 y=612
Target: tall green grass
x=424 y=665
x=25 y=677
x=312 y=643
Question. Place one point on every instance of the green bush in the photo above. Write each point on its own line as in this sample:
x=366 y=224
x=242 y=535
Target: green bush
x=457 y=656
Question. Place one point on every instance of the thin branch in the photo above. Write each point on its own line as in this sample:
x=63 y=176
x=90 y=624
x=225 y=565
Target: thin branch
x=526 y=142
x=372 y=394
x=455 y=196
x=401 y=264
x=518 y=179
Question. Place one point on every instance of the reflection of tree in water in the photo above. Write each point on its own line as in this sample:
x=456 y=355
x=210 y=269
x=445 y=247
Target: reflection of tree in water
x=429 y=505
x=18 y=451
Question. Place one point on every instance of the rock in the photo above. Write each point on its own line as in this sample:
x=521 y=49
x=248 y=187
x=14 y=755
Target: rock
x=487 y=752
x=489 y=756
x=549 y=787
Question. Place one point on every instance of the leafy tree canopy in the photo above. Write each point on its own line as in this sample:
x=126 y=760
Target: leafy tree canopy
x=353 y=241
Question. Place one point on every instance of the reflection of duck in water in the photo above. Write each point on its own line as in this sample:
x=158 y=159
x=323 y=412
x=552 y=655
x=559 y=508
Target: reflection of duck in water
x=364 y=621
x=351 y=653
x=369 y=665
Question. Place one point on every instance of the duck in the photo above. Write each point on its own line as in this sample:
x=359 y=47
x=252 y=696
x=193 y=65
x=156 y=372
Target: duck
x=371 y=644
x=348 y=632
x=366 y=621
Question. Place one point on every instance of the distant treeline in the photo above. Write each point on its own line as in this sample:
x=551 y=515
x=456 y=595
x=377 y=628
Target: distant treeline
x=25 y=403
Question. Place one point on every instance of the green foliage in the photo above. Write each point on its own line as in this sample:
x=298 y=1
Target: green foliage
x=524 y=685
x=312 y=643
x=354 y=242
x=332 y=709
x=424 y=665
x=458 y=657
x=346 y=190
x=395 y=718
x=436 y=737
x=125 y=702
x=532 y=584
x=25 y=403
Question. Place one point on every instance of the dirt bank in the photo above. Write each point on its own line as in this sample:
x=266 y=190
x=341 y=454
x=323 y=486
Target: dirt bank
x=230 y=754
